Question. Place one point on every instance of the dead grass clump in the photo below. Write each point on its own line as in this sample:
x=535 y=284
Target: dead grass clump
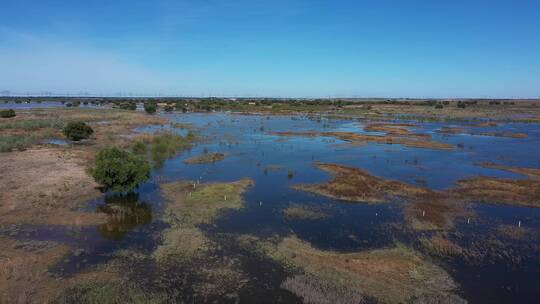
x=514 y=232
x=504 y=191
x=502 y=134
x=441 y=246
x=437 y=212
x=302 y=212
x=531 y=173
x=394 y=129
x=205 y=158
x=313 y=290
x=408 y=140
x=179 y=244
x=451 y=130
x=354 y=184
x=393 y=275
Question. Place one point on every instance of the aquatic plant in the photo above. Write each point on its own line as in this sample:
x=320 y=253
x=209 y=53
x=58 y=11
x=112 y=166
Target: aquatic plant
x=110 y=293
x=119 y=170
x=7 y=113
x=303 y=212
x=77 y=130
x=161 y=146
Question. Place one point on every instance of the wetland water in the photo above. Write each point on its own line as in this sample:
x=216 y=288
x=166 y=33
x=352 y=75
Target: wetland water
x=509 y=273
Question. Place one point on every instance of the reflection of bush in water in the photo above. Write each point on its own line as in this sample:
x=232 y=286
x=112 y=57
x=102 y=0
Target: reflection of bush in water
x=125 y=213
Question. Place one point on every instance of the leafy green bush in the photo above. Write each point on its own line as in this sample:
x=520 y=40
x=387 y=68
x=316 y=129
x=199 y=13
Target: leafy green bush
x=439 y=106
x=7 y=113
x=150 y=107
x=119 y=170
x=77 y=130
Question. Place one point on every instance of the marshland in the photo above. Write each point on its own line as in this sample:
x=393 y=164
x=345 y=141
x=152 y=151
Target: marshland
x=215 y=200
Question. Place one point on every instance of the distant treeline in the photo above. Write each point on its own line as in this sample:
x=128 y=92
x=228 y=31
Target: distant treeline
x=218 y=103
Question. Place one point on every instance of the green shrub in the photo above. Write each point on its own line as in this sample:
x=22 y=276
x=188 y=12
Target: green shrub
x=77 y=130
x=150 y=107
x=119 y=170
x=128 y=106
x=439 y=106
x=7 y=113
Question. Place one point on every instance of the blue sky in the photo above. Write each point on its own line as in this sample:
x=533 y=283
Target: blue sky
x=281 y=48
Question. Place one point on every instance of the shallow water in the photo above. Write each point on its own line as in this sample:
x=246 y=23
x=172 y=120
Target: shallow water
x=267 y=159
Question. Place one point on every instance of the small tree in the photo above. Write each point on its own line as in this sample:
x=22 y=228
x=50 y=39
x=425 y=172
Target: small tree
x=7 y=113
x=77 y=130
x=119 y=170
x=150 y=107
x=439 y=106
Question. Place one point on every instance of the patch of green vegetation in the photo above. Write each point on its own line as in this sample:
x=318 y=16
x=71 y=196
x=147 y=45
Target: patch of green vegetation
x=119 y=170
x=110 y=293
x=190 y=206
x=77 y=130
x=17 y=142
x=150 y=107
x=7 y=113
x=32 y=125
x=162 y=146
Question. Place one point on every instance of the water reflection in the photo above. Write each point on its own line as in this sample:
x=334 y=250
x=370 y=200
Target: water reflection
x=125 y=214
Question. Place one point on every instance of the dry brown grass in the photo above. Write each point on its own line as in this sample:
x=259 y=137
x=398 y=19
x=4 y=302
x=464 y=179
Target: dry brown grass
x=531 y=173
x=205 y=158
x=354 y=184
x=394 y=129
x=393 y=275
x=42 y=186
x=426 y=209
x=499 y=191
x=408 y=140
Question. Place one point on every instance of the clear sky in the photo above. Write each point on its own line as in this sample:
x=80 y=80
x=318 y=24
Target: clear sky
x=281 y=48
